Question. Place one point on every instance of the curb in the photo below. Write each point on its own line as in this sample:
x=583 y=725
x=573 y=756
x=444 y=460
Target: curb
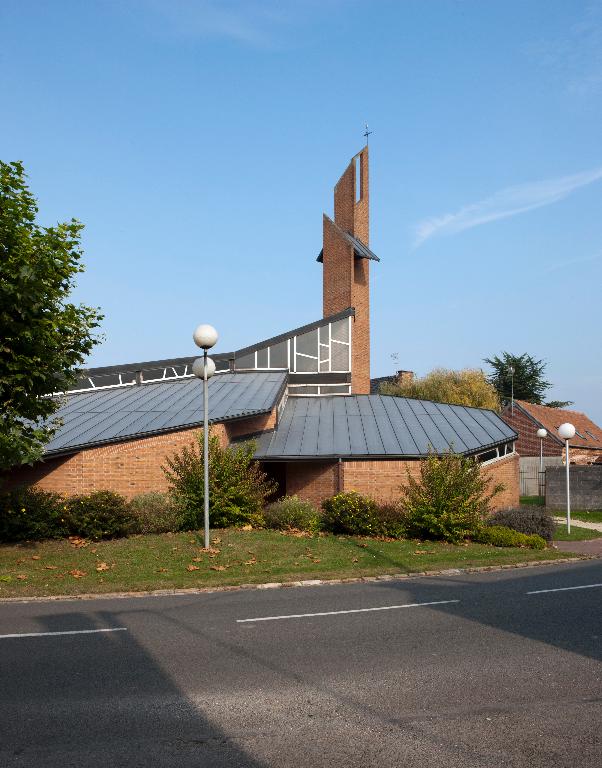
x=289 y=584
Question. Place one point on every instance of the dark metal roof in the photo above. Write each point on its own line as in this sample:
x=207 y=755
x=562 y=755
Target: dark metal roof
x=360 y=250
x=379 y=426
x=121 y=413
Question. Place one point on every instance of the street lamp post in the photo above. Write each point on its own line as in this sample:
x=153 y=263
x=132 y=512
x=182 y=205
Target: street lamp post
x=566 y=432
x=541 y=434
x=205 y=337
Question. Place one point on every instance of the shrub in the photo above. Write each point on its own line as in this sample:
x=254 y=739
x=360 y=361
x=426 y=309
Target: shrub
x=28 y=514
x=450 y=499
x=99 y=515
x=292 y=513
x=238 y=487
x=501 y=536
x=155 y=513
x=533 y=520
x=355 y=515
x=350 y=513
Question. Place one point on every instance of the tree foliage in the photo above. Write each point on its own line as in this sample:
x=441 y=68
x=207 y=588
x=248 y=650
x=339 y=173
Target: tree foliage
x=528 y=376
x=467 y=387
x=44 y=337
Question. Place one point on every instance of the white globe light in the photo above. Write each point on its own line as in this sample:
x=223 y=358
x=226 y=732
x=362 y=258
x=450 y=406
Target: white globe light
x=198 y=367
x=566 y=431
x=542 y=433
x=205 y=336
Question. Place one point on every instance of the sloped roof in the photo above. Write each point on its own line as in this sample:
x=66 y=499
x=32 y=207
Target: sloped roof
x=360 y=250
x=588 y=435
x=121 y=413
x=379 y=426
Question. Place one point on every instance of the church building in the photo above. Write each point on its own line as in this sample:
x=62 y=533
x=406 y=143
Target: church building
x=302 y=395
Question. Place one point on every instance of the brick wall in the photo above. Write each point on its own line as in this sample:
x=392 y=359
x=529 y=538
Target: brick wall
x=381 y=480
x=129 y=467
x=312 y=480
x=585 y=486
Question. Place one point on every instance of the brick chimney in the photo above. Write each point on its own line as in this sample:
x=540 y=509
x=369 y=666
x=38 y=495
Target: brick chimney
x=346 y=275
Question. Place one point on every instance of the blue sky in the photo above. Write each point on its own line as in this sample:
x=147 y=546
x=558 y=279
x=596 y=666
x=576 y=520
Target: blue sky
x=199 y=142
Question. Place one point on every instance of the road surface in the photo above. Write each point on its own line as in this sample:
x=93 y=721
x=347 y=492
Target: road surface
x=489 y=669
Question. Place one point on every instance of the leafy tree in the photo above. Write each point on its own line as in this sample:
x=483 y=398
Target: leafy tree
x=468 y=387
x=238 y=487
x=44 y=337
x=528 y=375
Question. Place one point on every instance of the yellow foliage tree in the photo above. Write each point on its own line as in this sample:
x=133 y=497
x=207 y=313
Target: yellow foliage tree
x=467 y=387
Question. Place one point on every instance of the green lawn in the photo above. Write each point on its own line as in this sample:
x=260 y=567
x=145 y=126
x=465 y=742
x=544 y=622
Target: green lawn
x=239 y=557
x=595 y=516
x=538 y=501
x=577 y=534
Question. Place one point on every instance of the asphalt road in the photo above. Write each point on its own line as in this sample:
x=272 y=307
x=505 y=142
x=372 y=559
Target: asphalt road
x=485 y=675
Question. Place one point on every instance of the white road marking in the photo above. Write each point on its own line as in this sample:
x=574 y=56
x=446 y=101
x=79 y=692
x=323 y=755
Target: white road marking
x=564 y=589
x=338 y=613
x=69 y=632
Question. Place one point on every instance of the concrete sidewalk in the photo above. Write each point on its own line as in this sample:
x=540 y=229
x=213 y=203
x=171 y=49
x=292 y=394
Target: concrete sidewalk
x=579 y=523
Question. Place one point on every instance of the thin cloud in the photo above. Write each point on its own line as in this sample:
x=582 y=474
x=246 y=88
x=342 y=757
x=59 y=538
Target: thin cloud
x=571 y=263
x=505 y=203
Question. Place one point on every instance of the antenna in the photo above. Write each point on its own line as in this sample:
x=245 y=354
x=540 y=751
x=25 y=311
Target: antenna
x=367 y=133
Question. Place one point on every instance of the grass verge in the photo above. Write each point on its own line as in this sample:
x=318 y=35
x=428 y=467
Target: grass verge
x=171 y=561
x=595 y=516
x=576 y=534
x=536 y=501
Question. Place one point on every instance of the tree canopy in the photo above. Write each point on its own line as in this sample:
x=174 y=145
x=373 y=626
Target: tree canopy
x=526 y=373
x=467 y=387
x=44 y=337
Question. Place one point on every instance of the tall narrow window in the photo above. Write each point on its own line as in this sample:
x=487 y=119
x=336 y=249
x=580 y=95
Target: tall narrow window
x=358 y=179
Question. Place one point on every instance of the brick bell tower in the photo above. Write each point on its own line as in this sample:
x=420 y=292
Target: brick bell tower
x=346 y=263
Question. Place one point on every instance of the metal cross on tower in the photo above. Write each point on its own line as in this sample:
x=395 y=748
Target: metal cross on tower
x=367 y=133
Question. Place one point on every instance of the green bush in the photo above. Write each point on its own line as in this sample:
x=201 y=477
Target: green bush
x=391 y=520
x=28 y=514
x=99 y=515
x=155 y=513
x=500 y=536
x=533 y=520
x=238 y=487
x=350 y=513
x=291 y=513
x=355 y=515
x=450 y=499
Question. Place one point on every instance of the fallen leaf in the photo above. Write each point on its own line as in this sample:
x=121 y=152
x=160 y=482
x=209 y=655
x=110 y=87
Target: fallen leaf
x=362 y=545
x=36 y=557
x=51 y=567
x=246 y=527
x=317 y=560
x=192 y=568
x=161 y=570
x=197 y=559
x=22 y=576
x=355 y=559
x=102 y=567
x=20 y=560
x=216 y=540
x=78 y=542
x=251 y=562
x=210 y=550
x=93 y=550
x=77 y=574
x=218 y=567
